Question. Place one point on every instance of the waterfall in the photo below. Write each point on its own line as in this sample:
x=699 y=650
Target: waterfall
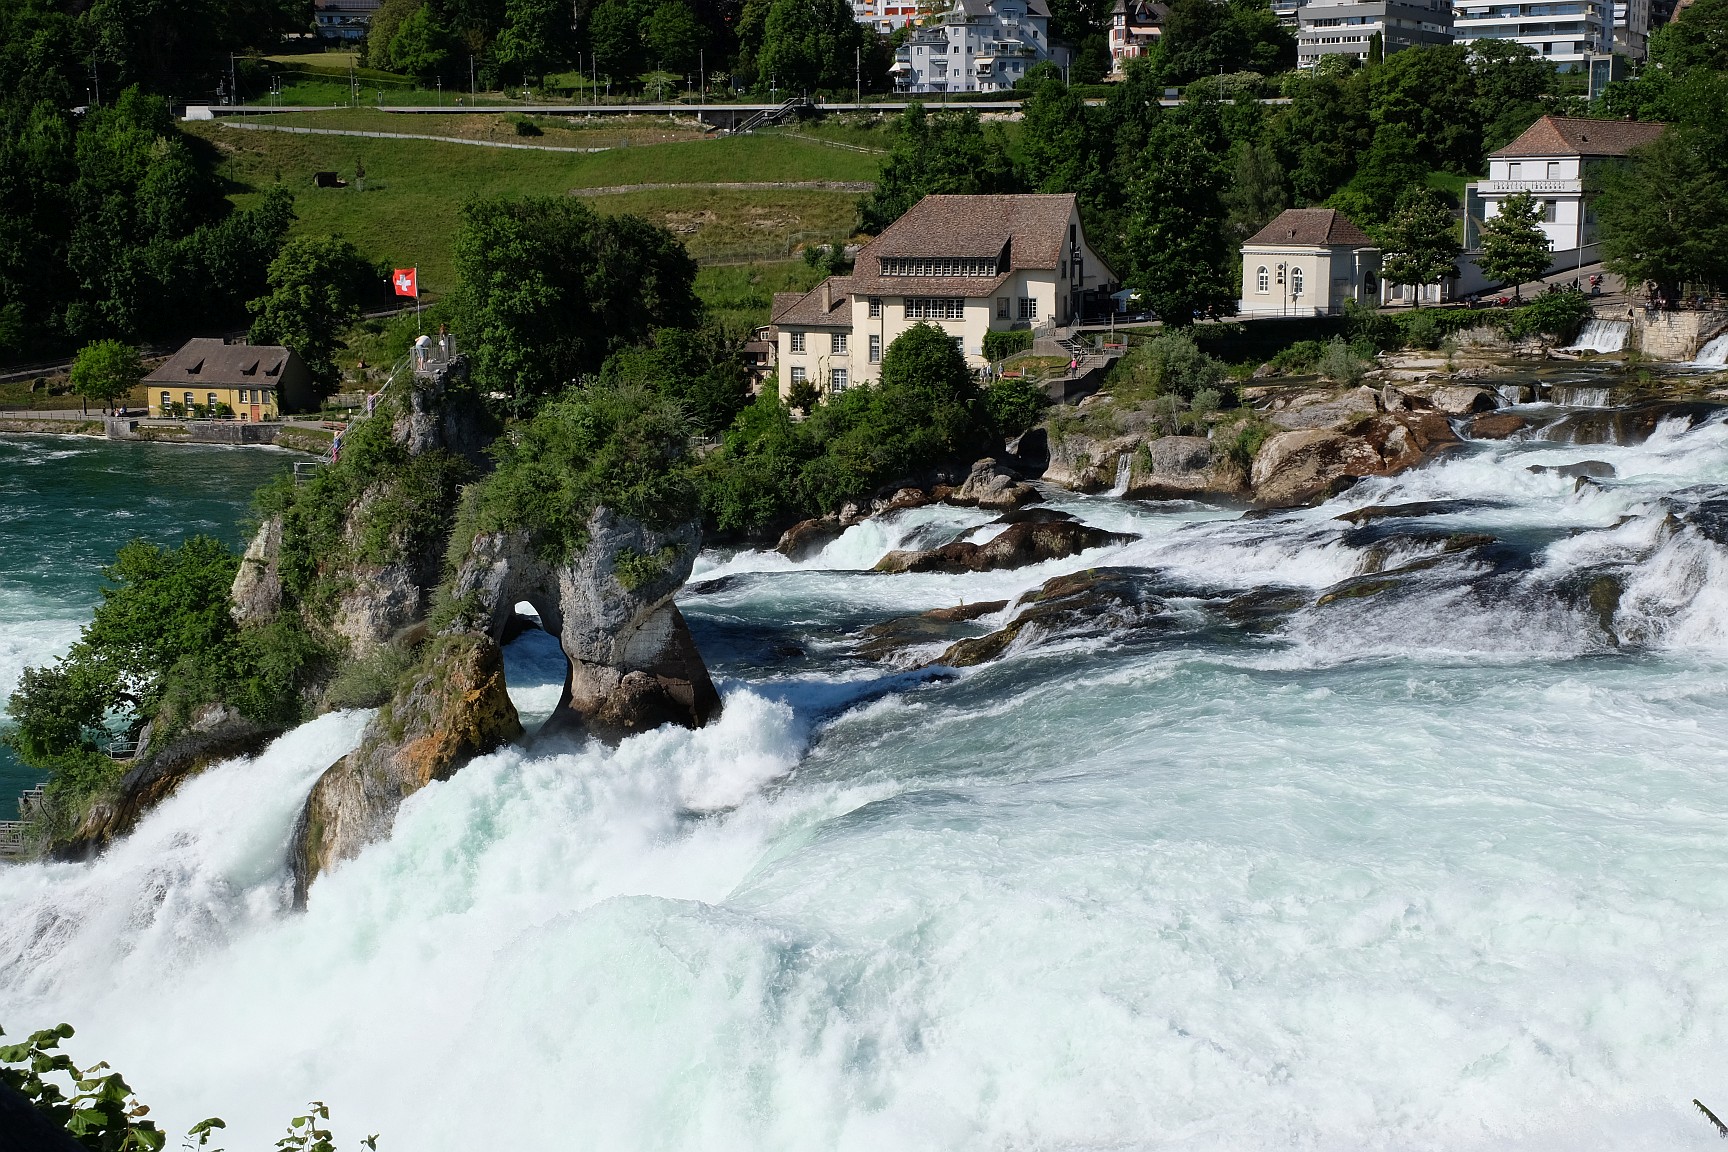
x=1714 y=354
x=1513 y=393
x=1124 y=471
x=1601 y=336
x=1575 y=396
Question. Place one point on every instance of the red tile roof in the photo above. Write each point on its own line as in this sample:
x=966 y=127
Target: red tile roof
x=1311 y=227
x=1574 y=136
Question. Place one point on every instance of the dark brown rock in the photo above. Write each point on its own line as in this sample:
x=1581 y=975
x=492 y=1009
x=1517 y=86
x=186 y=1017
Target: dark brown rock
x=808 y=537
x=1498 y=425
x=1015 y=547
x=1094 y=602
x=165 y=760
x=939 y=625
x=1294 y=468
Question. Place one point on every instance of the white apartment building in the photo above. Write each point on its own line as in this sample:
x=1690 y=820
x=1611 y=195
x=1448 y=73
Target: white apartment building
x=977 y=46
x=967 y=264
x=887 y=15
x=1325 y=28
x=1566 y=33
x=1632 y=28
x=1553 y=161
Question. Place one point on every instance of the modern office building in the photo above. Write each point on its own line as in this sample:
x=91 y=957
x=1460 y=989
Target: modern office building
x=977 y=46
x=1348 y=29
x=1568 y=34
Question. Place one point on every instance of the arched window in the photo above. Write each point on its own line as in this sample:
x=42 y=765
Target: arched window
x=1295 y=281
x=1262 y=280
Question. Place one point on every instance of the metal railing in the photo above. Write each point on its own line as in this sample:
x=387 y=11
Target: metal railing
x=13 y=837
x=122 y=748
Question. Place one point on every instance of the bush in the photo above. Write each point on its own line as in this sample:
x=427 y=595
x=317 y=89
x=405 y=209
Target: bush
x=627 y=449
x=1241 y=443
x=999 y=345
x=1014 y=405
x=524 y=126
x=1422 y=329
x=1558 y=313
x=1298 y=359
x=1340 y=363
x=1170 y=363
x=1370 y=329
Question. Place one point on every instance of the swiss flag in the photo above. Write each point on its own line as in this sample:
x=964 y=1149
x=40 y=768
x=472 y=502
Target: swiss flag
x=406 y=281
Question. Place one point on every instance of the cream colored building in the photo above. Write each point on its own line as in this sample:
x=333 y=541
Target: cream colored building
x=967 y=264
x=1308 y=262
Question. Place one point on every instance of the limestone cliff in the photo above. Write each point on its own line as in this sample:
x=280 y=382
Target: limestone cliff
x=452 y=708
x=633 y=664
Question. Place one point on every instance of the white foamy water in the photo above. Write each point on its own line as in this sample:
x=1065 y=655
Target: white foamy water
x=1436 y=868
x=1601 y=336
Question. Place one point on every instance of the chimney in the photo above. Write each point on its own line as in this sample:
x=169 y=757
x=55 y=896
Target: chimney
x=827 y=297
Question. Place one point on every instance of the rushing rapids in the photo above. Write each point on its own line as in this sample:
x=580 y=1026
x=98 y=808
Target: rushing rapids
x=1391 y=822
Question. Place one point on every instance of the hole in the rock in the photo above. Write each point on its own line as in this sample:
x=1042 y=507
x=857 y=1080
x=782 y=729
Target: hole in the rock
x=534 y=667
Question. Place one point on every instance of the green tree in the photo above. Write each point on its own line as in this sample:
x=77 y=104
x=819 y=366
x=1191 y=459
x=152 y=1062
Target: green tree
x=317 y=286
x=1203 y=38
x=1391 y=168
x=945 y=153
x=382 y=29
x=1054 y=140
x=1256 y=194
x=673 y=36
x=1430 y=92
x=1697 y=37
x=106 y=371
x=532 y=38
x=1177 y=243
x=422 y=46
x=1420 y=242
x=1664 y=218
x=549 y=289
x=700 y=368
x=807 y=46
x=1513 y=86
x=615 y=37
x=1321 y=137
x=1515 y=250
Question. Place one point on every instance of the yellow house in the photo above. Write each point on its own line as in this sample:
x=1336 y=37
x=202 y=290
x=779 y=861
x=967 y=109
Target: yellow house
x=210 y=377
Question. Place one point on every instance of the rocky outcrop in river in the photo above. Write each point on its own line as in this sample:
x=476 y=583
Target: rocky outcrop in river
x=452 y=708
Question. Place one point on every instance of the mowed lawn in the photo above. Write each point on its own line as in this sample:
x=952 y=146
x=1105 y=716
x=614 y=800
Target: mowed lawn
x=406 y=214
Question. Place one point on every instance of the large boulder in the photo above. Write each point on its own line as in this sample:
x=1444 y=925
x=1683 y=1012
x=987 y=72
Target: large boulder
x=1103 y=602
x=1183 y=468
x=992 y=485
x=1019 y=544
x=452 y=708
x=1322 y=408
x=808 y=537
x=1302 y=467
x=1086 y=463
x=633 y=663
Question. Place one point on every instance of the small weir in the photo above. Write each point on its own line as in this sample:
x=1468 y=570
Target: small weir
x=1602 y=336
x=1714 y=354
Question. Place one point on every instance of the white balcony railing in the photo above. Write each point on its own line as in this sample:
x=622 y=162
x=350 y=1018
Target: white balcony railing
x=1512 y=186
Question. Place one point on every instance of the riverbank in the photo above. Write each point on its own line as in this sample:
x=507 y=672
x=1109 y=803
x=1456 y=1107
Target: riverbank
x=67 y=503
x=300 y=436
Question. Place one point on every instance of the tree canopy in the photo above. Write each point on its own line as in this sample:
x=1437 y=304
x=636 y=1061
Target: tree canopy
x=549 y=289
x=1515 y=250
x=317 y=287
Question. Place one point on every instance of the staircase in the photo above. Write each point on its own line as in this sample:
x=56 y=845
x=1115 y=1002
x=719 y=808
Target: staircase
x=770 y=115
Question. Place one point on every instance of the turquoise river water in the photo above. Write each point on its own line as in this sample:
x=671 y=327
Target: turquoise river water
x=1440 y=867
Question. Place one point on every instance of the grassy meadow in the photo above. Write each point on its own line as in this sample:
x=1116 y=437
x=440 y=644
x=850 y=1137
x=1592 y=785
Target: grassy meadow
x=406 y=211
